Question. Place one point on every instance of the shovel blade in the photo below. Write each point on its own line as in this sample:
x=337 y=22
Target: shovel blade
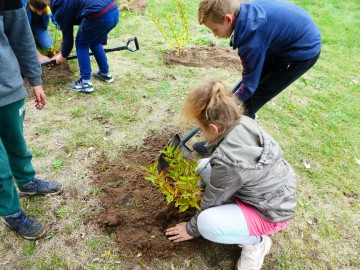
x=175 y=141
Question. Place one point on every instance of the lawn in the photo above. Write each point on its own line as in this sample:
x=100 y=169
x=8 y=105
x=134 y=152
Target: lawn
x=316 y=121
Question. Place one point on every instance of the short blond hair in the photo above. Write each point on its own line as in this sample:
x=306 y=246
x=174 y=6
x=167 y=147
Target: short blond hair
x=212 y=103
x=215 y=10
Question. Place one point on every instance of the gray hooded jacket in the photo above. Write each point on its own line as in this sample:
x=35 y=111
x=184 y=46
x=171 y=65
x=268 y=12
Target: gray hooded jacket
x=247 y=164
x=17 y=52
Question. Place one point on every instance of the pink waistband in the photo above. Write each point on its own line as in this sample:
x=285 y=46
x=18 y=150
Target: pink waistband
x=101 y=12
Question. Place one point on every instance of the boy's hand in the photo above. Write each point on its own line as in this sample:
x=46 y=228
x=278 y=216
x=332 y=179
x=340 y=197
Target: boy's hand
x=178 y=233
x=40 y=97
x=43 y=58
x=59 y=58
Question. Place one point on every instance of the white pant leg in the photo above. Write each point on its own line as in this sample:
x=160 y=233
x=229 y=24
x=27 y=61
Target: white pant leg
x=225 y=224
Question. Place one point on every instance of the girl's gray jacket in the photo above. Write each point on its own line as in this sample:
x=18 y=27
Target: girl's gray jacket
x=247 y=164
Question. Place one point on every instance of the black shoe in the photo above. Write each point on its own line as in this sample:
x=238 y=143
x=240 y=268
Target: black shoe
x=104 y=77
x=200 y=148
x=40 y=187
x=25 y=226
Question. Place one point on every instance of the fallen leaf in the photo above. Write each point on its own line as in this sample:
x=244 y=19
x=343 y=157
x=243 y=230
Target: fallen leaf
x=106 y=254
x=307 y=165
x=139 y=255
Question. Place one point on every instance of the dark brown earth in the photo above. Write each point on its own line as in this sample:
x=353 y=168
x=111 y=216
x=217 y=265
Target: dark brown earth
x=133 y=5
x=205 y=56
x=136 y=211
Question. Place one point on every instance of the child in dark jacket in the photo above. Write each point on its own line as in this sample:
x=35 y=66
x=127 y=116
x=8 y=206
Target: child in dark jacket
x=18 y=52
x=39 y=15
x=277 y=42
x=96 y=18
x=246 y=165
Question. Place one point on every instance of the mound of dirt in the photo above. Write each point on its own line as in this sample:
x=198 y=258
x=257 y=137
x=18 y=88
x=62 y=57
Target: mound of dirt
x=135 y=210
x=205 y=56
x=133 y=5
x=56 y=75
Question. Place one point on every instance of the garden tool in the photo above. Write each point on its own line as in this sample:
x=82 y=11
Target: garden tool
x=178 y=142
x=119 y=48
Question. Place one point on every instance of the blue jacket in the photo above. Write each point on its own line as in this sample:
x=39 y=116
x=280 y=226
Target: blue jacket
x=275 y=31
x=71 y=12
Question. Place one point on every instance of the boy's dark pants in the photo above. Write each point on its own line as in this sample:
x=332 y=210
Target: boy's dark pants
x=274 y=78
x=15 y=157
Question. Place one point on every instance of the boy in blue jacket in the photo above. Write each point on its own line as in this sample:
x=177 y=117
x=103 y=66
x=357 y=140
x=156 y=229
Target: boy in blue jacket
x=277 y=42
x=96 y=18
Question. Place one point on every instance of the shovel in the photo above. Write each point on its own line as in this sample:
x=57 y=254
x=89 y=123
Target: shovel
x=119 y=48
x=178 y=142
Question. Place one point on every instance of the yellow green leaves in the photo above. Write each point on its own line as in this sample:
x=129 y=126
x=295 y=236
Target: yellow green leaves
x=179 y=183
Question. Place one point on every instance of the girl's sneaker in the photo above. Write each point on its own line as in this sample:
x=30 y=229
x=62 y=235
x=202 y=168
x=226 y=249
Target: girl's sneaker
x=80 y=86
x=252 y=256
x=104 y=77
x=25 y=226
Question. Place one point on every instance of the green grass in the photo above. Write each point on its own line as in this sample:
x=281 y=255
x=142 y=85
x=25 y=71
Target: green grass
x=316 y=121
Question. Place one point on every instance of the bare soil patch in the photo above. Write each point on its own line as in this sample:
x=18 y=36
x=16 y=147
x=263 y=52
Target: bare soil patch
x=132 y=5
x=205 y=56
x=56 y=75
x=137 y=212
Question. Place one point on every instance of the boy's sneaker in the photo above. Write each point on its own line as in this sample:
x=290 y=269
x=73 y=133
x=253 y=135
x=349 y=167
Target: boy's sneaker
x=200 y=148
x=252 y=256
x=39 y=187
x=104 y=77
x=82 y=87
x=25 y=226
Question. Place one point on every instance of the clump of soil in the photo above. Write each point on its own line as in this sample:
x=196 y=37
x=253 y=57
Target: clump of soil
x=132 y=5
x=205 y=56
x=135 y=210
x=55 y=76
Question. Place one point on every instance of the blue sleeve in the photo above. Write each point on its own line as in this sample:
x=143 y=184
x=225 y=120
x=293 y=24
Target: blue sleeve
x=67 y=29
x=252 y=60
x=52 y=17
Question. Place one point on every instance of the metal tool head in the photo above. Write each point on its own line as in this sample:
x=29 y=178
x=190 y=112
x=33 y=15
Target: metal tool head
x=175 y=141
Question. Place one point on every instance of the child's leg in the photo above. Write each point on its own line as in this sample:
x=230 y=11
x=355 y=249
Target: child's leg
x=9 y=199
x=108 y=22
x=43 y=36
x=11 y=130
x=91 y=34
x=274 y=79
x=225 y=224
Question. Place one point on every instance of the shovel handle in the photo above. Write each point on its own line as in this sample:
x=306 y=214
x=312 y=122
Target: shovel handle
x=119 y=48
x=195 y=130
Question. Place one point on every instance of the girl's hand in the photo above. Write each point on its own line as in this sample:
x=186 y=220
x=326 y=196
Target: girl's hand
x=178 y=233
x=40 y=97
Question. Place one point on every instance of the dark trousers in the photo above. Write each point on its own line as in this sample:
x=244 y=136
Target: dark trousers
x=275 y=78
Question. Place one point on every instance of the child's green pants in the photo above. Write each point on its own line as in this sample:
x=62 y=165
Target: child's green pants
x=15 y=156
